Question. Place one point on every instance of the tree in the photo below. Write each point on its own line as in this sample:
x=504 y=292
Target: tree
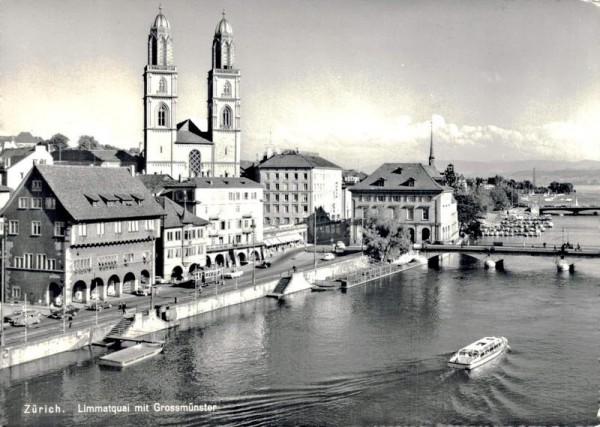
x=58 y=141
x=499 y=199
x=450 y=176
x=470 y=211
x=87 y=142
x=385 y=238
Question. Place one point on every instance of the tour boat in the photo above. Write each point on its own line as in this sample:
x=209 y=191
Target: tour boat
x=478 y=353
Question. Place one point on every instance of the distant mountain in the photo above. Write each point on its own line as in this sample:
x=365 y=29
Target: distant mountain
x=546 y=171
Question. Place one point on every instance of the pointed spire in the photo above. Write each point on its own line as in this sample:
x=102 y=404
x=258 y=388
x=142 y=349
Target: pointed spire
x=431 y=156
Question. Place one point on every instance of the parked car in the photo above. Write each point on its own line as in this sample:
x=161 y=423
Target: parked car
x=340 y=247
x=233 y=274
x=69 y=310
x=26 y=319
x=143 y=292
x=18 y=313
x=97 y=305
x=264 y=264
x=328 y=257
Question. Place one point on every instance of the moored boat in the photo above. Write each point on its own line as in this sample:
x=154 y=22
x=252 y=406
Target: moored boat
x=478 y=353
x=132 y=355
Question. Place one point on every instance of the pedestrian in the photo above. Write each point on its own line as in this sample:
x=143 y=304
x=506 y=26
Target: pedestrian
x=124 y=307
x=294 y=268
x=544 y=245
x=70 y=321
x=578 y=247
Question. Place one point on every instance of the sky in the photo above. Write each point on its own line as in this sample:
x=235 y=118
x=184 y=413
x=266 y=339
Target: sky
x=357 y=81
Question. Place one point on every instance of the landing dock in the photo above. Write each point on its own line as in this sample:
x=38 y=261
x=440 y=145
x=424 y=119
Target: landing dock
x=131 y=355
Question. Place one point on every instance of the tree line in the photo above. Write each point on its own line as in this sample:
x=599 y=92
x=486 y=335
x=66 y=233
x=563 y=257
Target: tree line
x=85 y=142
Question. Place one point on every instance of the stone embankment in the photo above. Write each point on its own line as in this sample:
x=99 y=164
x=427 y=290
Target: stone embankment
x=149 y=323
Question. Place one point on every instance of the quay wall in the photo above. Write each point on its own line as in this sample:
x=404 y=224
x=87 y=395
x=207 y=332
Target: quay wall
x=77 y=339
x=22 y=353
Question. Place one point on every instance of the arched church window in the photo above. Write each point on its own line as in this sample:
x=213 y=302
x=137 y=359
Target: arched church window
x=163 y=114
x=227 y=89
x=162 y=85
x=226 y=118
x=195 y=163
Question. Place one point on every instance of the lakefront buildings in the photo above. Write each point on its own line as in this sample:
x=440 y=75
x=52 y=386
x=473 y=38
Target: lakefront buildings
x=88 y=228
x=79 y=233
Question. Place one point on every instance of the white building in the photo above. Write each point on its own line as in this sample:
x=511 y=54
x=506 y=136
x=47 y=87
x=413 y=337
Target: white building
x=296 y=184
x=233 y=207
x=182 y=247
x=183 y=149
x=15 y=163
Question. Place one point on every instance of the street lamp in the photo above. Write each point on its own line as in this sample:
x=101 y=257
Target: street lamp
x=253 y=227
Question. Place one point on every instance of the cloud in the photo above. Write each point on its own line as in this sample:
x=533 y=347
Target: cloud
x=594 y=2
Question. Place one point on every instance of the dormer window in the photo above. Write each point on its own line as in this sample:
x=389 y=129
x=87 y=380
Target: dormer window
x=126 y=199
x=397 y=171
x=409 y=183
x=93 y=199
x=379 y=183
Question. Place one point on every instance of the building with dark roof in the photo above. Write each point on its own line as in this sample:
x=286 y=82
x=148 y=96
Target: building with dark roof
x=156 y=183
x=296 y=184
x=234 y=208
x=103 y=158
x=79 y=232
x=410 y=193
x=15 y=163
x=181 y=249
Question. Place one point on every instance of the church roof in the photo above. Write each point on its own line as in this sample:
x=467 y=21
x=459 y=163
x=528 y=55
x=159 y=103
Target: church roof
x=177 y=216
x=296 y=160
x=223 y=27
x=409 y=177
x=189 y=133
x=84 y=191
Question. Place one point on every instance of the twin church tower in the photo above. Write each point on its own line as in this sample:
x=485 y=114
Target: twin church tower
x=182 y=149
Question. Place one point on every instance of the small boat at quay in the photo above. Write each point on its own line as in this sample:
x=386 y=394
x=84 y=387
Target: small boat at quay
x=131 y=355
x=478 y=353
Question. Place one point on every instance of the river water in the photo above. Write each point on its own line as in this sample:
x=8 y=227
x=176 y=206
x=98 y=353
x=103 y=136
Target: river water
x=374 y=355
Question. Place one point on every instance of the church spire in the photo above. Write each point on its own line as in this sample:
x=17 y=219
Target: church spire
x=431 y=156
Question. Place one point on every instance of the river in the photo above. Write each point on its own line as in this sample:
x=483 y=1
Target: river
x=374 y=355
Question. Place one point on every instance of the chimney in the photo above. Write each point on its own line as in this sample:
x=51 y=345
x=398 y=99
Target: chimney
x=269 y=153
x=180 y=178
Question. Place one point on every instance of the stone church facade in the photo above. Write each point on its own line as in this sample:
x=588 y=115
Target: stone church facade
x=182 y=149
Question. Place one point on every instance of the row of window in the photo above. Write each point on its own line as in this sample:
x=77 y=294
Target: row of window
x=36 y=202
x=194 y=233
x=188 y=251
x=227 y=225
x=285 y=187
x=82 y=229
x=285 y=175
x=285 y=209
x=233 y=195
x=231 y=239
x=286 y=197
x=283 y=221
x=387 y=198
x=41 y=262
x=108 y=261
x=393 y=213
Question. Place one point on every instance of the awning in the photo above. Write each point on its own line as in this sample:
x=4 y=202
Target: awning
x=271 y=242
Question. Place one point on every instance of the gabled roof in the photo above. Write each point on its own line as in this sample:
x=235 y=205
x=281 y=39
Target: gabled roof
x=95 y=156
x=189 y=133
x=155 y=183
x=296 y=160
x=177 y=216
x=409 y=177
x=76 y=187
x=216 y=182
x=16 y=154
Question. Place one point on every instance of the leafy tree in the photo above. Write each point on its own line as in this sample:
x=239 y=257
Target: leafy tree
x=385 y=238
x=499 y=199
x=58 y=141
x=87 y=142
x=450 y=175
x=470 y=209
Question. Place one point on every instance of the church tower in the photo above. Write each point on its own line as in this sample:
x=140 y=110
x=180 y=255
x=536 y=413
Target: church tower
x=160 y=99
x=224 y=124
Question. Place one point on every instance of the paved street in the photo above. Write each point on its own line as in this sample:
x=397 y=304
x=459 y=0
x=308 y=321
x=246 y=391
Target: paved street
x=282 y=264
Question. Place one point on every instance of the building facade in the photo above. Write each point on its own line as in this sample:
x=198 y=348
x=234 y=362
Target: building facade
x=15 y=163
x=181 y=248
x=233 y=207
x=296 y=184
x=183 y=150
x=409 y=193
x=79 y=233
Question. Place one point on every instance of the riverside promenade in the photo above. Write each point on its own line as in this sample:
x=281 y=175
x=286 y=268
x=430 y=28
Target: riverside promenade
x=55 y=337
